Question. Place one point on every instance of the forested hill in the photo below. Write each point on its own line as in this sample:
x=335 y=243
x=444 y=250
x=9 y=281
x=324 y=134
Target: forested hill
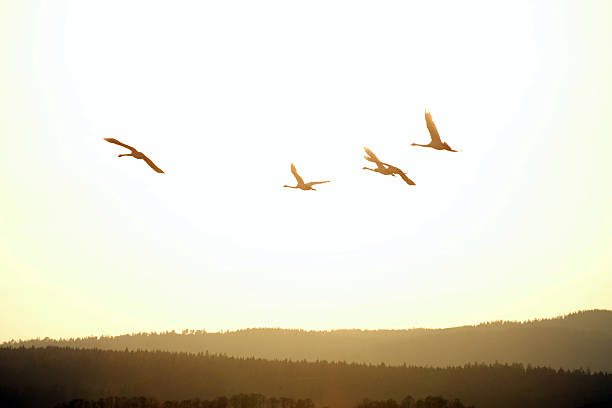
x=578 y=340
x=42 y=377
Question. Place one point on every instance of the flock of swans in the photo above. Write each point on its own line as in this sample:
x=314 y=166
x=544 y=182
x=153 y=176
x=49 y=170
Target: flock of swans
x=381 y=167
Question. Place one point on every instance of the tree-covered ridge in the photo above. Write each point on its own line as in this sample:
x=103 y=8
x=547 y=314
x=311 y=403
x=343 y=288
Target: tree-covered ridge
x=596 y=319
x=542 y=342
x=252 y=401
x=53 y=375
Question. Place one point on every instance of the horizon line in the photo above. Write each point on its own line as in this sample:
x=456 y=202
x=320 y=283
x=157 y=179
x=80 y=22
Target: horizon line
x=236 y=330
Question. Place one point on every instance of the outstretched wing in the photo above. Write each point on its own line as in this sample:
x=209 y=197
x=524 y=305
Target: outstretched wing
x=152 y=165
x=372 y=155
x=115 y=141
x=378 y=162
x=448 y=147
x=312 y=183
x=406 y=179
x=401 y=174
x=296 y=175
x=431 y=126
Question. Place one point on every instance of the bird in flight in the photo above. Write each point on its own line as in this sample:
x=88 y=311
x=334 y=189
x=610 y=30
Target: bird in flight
x=435 y=143
x=300 y=181
x=134 y=153
x=384 y=168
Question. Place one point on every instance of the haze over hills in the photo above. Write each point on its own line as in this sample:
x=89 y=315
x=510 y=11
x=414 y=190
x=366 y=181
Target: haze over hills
x=577 y=340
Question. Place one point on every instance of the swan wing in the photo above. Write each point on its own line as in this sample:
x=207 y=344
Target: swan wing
x=152 y=165
x=401 y=174
x=371 y=154
x=431 y=126
x=378 y=162
x=296 y=175
x=406 y=179
x=312 y=183
x=115 y=141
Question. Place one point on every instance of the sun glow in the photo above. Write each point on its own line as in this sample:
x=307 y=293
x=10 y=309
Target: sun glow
x=225 y=95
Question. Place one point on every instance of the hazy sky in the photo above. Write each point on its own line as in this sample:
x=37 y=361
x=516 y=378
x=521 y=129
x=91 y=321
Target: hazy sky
x=225 y=95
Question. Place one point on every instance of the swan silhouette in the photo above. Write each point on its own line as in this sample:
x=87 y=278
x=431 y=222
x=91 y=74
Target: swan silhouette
x=436 y=142
x=135 y=154
x=384 y=168
x=300 y=182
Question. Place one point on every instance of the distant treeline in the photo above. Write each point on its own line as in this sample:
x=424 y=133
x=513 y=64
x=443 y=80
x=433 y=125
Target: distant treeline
x=409 y=402
x=578 y=340
x=237 y=401
x=251 y=401
x=42 y=377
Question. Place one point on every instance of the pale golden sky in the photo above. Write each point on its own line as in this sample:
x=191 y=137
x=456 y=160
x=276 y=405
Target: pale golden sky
x=225 y=95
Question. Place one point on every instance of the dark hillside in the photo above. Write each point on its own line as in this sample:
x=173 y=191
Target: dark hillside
x=54 y=375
